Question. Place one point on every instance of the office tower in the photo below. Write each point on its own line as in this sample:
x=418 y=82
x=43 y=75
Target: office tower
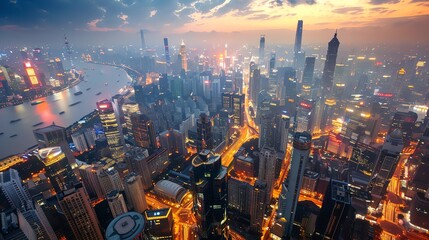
x=174 y=141
x=262 y=50
x=235 y=102
x=79 y=142
x=337 y=216
x=167 y=53
x=55 y=136
x=239 y=193
x=112 y=128
x=255 y=86
x=143 y=131
x=143 y=42
x=134 y=192
x=385 y=166
x=327 y=112
x=182 y=53
x=31 y=78
x=204 y=133
x=164 y=84
x=128 y=109
x=273 y=130
x=272 y=65
x=209 y=183
x=329 y=69
x=17 y=196
x=419 y=209
x=128 y=226
x=79 y=213
x=159 y=223
x=258 y=204
x=267 y=165
x=307 y=76
x=304 y=120
x=58 y=170
x=116 y=202
x=298 y=41
x=136 y=159
x=89 y=174
x=292 y=185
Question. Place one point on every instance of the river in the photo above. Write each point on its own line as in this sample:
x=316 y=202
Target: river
x=47 y=112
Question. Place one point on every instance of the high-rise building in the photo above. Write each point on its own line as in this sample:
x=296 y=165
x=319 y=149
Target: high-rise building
x=235 y=102
x=89 y=174
x=128 y=226
x=167 y=54
x=128 y=109
x=274 y=130
x=254 y=85
x=405 y=122
x=183 y=56
x=267 y=165
x=385 y=166
x=143 y=131
x=159 y=223
x=307 y=77
x=55 y=136
x=298 y=41
x=209 y=183
x=134 y=192
x=304 y=120
x=32 y=78
x=136 y=159
x=330 y=63
x=272 y=65
x=116 y=202
x=17 y=196
x=239 y=193
x=258 y=204
x=292 y=185
x=337 y=216
x=204 y=133
x=174 y=141
x=112 y=128
x=79 y=213
x=143 y=42
x=262 y=50
x=58 y=170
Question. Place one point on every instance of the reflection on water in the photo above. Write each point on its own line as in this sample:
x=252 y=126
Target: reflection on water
x=48 y=111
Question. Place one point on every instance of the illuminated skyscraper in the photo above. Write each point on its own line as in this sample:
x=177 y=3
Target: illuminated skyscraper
x=305 y=116
x=307 y=77
x=262 y=50
x=291 y=187
x=58 y=170
x=174 y=141
x=32 y=78
x=184 y=58
x=167 y=53
x=385 y=166
x=267 y=165
x=209 y=184
x=79 y=213
x=234 y=101
x=258 y=204
x=112 y=128
x=329 y=69
x=159 y=223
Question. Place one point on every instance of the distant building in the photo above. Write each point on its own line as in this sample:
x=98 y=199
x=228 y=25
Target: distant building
x=234 y=101
x=204 y=133
x=159 y=223
x=143 y=131
x=174 y=141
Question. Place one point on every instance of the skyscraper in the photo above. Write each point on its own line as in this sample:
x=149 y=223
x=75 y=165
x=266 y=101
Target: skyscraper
x=143 y=131
x=292 y=185
x=209 y=184
x=385 y=166
x=112 y=128
x=167 y=54
x=337 y=216
x=329 y=69
x=262 y=50
x=128 y=226
x=307 y=76
x=143 y=42
x=183 y=56
x=116 y=203
x=58 y=170
x=136 y=159
x=204 y=133
x=79 y=213
x=174 y=141
x=134 y=192
x=32 y=78
x=235 y=102
x=159 y=223
x=254 y=85
x=15 y=193
x=298 y=41
x=258 y=204
x=267 y=165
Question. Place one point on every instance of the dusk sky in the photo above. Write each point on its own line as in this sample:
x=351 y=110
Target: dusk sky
x=23 y=17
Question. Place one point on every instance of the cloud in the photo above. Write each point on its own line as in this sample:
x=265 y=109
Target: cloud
x=297 y=2
x=348 y=10
x=378 y=2
x=382 y=10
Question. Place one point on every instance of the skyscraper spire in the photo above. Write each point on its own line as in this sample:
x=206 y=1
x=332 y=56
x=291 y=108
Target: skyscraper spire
x=329 y=69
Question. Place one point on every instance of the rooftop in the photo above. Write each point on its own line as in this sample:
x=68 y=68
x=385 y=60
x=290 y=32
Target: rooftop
x=125 y=227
